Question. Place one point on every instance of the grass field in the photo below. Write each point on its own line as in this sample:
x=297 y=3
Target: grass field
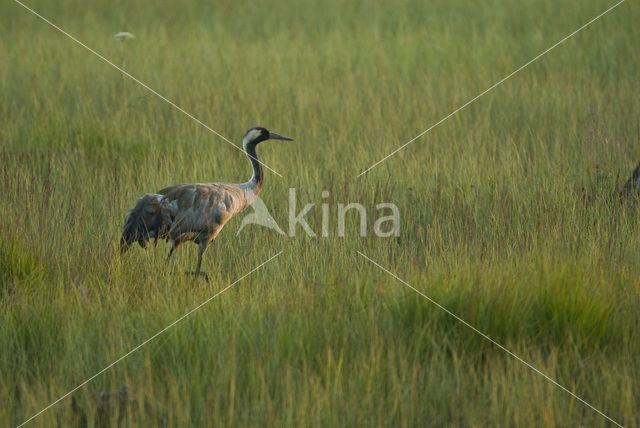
x=507 y=217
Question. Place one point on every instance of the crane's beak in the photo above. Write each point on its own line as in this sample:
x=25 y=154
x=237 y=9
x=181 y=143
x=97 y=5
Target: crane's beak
x=274 y=136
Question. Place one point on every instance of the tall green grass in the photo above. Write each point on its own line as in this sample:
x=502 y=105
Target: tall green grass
x=507 y=217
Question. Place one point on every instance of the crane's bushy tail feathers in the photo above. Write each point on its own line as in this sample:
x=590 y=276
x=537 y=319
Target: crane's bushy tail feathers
x=148 y=219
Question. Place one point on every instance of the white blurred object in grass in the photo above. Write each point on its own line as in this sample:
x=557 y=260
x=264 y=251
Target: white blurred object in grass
x=123 y=35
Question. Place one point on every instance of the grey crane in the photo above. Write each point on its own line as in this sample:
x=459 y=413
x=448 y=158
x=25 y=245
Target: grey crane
x=195 y=212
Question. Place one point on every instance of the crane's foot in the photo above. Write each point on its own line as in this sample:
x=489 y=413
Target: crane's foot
x=202 y=273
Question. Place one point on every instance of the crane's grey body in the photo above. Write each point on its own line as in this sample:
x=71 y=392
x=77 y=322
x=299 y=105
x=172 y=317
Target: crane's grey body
x=194 y=212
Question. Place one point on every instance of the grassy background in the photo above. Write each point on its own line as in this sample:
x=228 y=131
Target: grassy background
x=506 y=214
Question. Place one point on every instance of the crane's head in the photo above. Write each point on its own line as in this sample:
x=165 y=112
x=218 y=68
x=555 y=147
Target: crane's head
x=257 y=135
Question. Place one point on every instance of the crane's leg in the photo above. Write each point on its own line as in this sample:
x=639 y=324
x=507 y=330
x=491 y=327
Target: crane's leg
x=174 y=247
x=202 y=246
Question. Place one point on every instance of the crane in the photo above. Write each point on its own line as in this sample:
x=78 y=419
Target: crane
x=195 y=212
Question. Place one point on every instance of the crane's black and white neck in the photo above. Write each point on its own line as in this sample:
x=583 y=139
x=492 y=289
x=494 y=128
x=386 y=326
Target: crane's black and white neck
x=251 y=139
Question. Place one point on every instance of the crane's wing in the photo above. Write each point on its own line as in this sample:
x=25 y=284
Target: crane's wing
x=202 y=208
